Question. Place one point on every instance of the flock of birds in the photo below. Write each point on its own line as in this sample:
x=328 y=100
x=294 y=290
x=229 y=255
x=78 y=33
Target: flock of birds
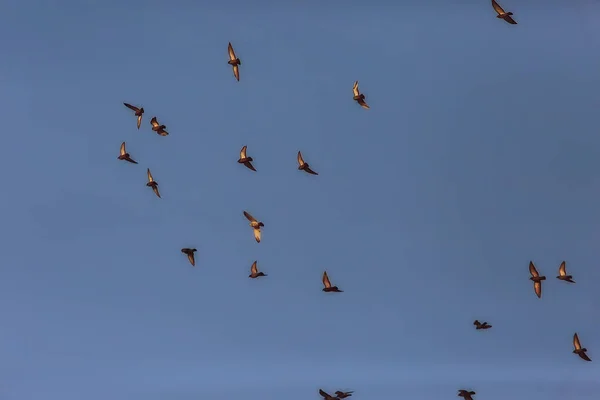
x=256 y=225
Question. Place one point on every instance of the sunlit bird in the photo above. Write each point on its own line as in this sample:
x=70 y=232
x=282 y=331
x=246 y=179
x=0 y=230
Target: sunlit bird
x=247 y=161
x=138 y=113
x=359 y=97
x=255 y=224
x=152 y=183
x=158 y=128
x=303 y=166
x=503 y=14
x=562 y=273
x=124 y=155
x=254 y=271
x=581 y=352
x=537 y=279
x=327 y=284
x=234 y=62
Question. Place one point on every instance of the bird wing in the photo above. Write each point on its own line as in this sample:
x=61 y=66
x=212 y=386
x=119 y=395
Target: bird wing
x=134 y=108
x=139 y=121
x=150 y=179
x=249 y=217
x=497 y=7
x=300 y=159
x=510 y=20
x=155 y=189
x=310 y=171
x=122 y=151
x=191 y=258
x=326 y=281
x=584 y=356
x=231 y=52
x=537 y=286
x=576 y=342
x=236 y=72
x=257 y=235
x=243 y=152
x=562 y=270
x=154 y=122
x=324 y=394
x=355 y=89
x=476 y=322
x=363 y=104
x=532 y=270
x=254 y=268
x=249 y=165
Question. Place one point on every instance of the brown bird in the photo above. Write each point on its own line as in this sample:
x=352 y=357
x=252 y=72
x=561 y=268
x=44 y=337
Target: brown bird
x=343 y=395
x=537 y=279
x=466 y=394
x=562 y=273
x=152 y=183
x=327 y=284
x=124 y=155
x=578 y=350
x=254 y=271
x=326 y=395
x=502 y=14
x=247 y=161
x=304 y=166
x=358 y=97
x=158 y=128
x=256 y=225
x=234 y=62
x=138 y=113
x=190 y=255
x=480 y=325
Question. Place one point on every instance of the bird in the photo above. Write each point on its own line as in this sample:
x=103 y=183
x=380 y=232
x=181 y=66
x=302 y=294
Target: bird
x=190 y=255
x=256 y=225
x=152 y=183
x=537 y=279
x=578 y=350
x=254 y=271
x=158 y=128
x=358 y=97
x=480 y=325
x=304 y=166
x=502 y=14
x=247 y=161
x=562 y=273
x=234 y=62
x=124 y=155
x=326 y=395
x=343 y=395
x=466 y=394
x=138 y=113
x=327 y=284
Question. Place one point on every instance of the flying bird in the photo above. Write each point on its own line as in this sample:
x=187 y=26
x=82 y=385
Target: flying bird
x=234 y=62
x=254 y=271
x=304 y=166
x=466 y=394
x=481 y=325
x=247 y=161
x=158 y=128
x=138 y=113
x=562 y=273
x=537 y=279
x=327 y=284
x=343 y=395
x=578 y=350
x=190 y=255
x=152 y=183
x=359 y=97
x=256 y=225
x=124 y=155
x=502 y=14
x=326 y=395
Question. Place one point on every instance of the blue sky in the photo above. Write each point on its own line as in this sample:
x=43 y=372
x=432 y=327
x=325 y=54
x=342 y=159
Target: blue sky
x=480 y=152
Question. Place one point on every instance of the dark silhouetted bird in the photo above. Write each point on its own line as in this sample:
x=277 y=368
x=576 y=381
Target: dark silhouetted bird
x=254 y=271
x=124 y=155
x=234 y=62
x=152 y=183
x=138 y=113
x=190 y=255
x=480 y=325
x=537 y=279
x=562 y=273
x=502 y=14
x=578 y=350
x=465 y=394
x=303 y=166
x=247 y=161
x=343 y=395
x=326 y=395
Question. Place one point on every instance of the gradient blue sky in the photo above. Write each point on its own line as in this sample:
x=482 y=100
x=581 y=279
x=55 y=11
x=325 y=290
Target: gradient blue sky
x=480 y=152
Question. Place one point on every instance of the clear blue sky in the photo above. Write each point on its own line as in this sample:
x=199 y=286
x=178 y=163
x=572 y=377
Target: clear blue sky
x=480 y=152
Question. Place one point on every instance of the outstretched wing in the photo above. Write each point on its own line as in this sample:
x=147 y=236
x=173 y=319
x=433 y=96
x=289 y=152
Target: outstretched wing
x=310 y=171
x=355 y=89
x=154 y=122
x=537 y=287
x=254 y=268
x=576 y=342
x=150 y=179
x=134 y=108
x=300 y=159
x=326 y=281
x=231 y=52
x=122 y=151
x=532 y=270
x=243 y=152
x=191 y=258
x=497 y=7
x=562 y=270
x=257 y=235
x=363 y=104
x=249 y=217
